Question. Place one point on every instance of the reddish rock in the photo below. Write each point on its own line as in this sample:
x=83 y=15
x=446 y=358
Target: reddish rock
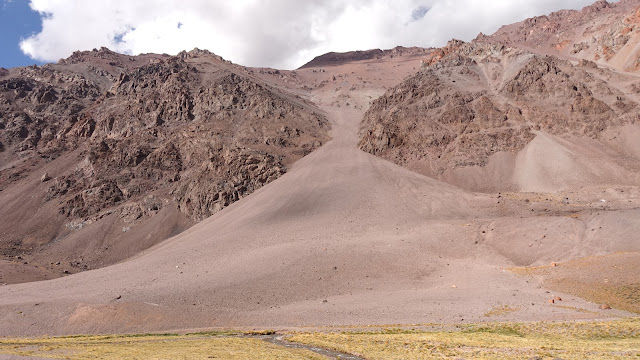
x=194 y=131
x=608 y=31
x=449 y=116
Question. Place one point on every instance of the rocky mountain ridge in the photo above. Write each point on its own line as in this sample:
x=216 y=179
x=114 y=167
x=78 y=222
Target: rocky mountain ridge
x=471 y=101
x=338 y=58
x=532 y=197
x=129 y=137
x=604 y=32
x=142 y=147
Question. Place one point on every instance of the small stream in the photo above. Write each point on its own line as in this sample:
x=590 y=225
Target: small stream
x=332 y=354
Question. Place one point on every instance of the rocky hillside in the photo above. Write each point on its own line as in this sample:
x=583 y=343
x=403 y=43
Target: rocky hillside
x=337 y=58
x=114 y=153
x=472 y=101
x=607 y=33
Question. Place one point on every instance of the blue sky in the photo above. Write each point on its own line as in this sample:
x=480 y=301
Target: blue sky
x=17 y=21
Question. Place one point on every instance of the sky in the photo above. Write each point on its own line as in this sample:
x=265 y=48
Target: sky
x=282 y=34
x=17 y=21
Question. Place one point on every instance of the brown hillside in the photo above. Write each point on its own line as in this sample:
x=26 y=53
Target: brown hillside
x=475 y=109
x=336 y=58
x=102 y=148
x=607 y=33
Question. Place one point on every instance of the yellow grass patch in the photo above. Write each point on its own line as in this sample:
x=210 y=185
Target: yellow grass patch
x=501 y=310
x=610 y=279
x=168 y=346
x=618 y=339
x=588 y=340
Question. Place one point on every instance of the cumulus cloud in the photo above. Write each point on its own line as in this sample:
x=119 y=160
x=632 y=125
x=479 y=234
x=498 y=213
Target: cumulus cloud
x=278 y=33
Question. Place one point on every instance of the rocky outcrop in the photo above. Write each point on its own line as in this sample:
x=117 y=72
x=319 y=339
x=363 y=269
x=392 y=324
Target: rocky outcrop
x=472 y=100
x=604 y=32
x=231 y=175
x=192 y=132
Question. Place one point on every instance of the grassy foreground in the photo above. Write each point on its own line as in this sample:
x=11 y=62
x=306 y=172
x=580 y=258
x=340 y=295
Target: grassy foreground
x=618 y=339
x=568 y=340
x=149 y=346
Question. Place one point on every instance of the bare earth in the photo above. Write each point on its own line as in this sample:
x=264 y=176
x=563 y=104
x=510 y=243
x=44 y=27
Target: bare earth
x=343 y=238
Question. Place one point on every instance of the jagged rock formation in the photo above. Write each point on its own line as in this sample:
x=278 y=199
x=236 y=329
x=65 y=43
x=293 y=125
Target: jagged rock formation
x=474 y=100
x=605 y=32
x=132 y=137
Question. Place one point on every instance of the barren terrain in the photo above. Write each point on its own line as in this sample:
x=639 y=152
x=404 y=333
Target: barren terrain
x=123 y=152
x=480 y=160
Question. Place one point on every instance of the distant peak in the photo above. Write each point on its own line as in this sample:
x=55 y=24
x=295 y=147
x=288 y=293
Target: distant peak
x=338 y=58
x=84 y=56
x=597 y=6
x=196 y=52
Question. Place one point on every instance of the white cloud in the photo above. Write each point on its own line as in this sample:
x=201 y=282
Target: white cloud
x=277 y=33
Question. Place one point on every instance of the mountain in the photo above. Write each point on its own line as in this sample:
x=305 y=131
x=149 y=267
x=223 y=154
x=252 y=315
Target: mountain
x=607 y=33
x=339 y=58
x=494 y=176
x=104 y=155
x=489 y=117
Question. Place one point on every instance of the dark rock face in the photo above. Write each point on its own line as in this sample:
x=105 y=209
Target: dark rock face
x=234 y=174
x=193 y=131
x=334 y=58
x=472 y=100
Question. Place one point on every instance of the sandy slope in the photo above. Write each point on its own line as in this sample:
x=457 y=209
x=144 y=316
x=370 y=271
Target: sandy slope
x=343 y=238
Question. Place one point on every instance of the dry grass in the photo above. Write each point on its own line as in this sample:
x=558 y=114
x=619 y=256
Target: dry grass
x=619 y=296
x=501 y=310
x=166 y=346
x=610 y=279
x=584 y=311
x=590 y=340
x=618 y=339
